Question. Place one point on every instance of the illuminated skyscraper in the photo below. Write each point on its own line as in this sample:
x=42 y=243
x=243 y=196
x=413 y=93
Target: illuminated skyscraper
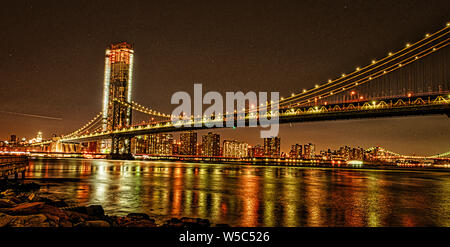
x=272 y=147
x=309 y=151
x=211 y=144
x=235 y=149
x=161 y=144
x=188 y=143
x=39 y=137
x=256 y=151
x=118 y=81
x=296 y=151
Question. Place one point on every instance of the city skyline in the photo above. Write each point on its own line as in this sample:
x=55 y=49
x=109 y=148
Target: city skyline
x=47 y=95
x=207 y=144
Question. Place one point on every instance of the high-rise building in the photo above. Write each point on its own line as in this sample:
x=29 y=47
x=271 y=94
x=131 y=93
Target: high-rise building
x=309 y=151
x=39 y=137
x=357 y=153
x=188 y=142
x=256 y=151
x=164 y=144
x=140 y=144
x=176 y=148
x=211 y=144
x=235 y=149
x=118 y=81
x=159 y=144
x=349 y=153
x=199 y=149
x=345 y=152
x=272 y=147
x=296 y=151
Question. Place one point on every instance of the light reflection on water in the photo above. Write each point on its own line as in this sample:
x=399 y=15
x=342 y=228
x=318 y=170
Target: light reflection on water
x=249 y=195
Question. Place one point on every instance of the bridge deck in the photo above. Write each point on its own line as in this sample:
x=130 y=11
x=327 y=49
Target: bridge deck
x=437 y=104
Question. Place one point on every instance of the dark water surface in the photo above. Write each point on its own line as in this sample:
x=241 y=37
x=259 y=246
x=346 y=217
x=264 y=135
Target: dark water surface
x=250 y=195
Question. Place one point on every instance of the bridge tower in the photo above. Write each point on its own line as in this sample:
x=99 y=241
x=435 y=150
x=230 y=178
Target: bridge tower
x=118 y=81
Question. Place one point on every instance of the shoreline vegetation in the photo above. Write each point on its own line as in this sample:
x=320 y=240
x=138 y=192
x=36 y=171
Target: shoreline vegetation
x=21 y=205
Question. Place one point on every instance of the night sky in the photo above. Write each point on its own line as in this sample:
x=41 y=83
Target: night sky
x=52 y=60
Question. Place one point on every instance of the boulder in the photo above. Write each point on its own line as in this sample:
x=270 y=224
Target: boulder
x=32 y=197
x=80 y=209
x=139 y=223
x=24 y=208
x=6 y=203
x=65 y=224
x=174 y=222
x=15 y=200
x=138 y=216
x=8 y=193
x=92 y=211
x=95 y=211
x=54 y=213
x=76 y=217
x=36 y=220
x=195 y=222
x=93 y=223
x=5 y=219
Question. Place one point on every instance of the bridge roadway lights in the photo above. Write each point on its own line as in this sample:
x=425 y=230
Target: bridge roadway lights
x=120 y=157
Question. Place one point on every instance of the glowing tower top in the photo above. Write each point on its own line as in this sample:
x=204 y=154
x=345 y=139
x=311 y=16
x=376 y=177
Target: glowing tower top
x=118 y=81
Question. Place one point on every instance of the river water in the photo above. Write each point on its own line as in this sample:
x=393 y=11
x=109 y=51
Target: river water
x=250 y=195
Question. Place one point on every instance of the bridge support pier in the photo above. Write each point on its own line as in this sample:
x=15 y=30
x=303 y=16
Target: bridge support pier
x=120 y=149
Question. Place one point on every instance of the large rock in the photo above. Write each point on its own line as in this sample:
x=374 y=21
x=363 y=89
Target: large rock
x=36 y=220
x=76 y=217
x=94 y=223
x=32 y=197
x=138 y=216
x=24 y=208
x=15 y=200
x=139 y=223
x=65 y=224
x=79 y=209
x=195 y=222
x=95 y=211
x=54 y=213
x=5 y=219
x=6 y=203
x=174 y=222
x=8 y=193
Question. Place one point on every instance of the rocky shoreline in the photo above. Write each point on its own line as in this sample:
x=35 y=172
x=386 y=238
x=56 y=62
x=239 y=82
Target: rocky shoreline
x=22 y=206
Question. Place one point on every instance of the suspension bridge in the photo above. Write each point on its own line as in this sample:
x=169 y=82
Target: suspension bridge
x=415 y=80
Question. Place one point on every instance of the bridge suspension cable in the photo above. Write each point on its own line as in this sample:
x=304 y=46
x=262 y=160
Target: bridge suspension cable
x=87 y=126
x=140 y=108
x=375 y=64
x=361 y=81
x=360 y=76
